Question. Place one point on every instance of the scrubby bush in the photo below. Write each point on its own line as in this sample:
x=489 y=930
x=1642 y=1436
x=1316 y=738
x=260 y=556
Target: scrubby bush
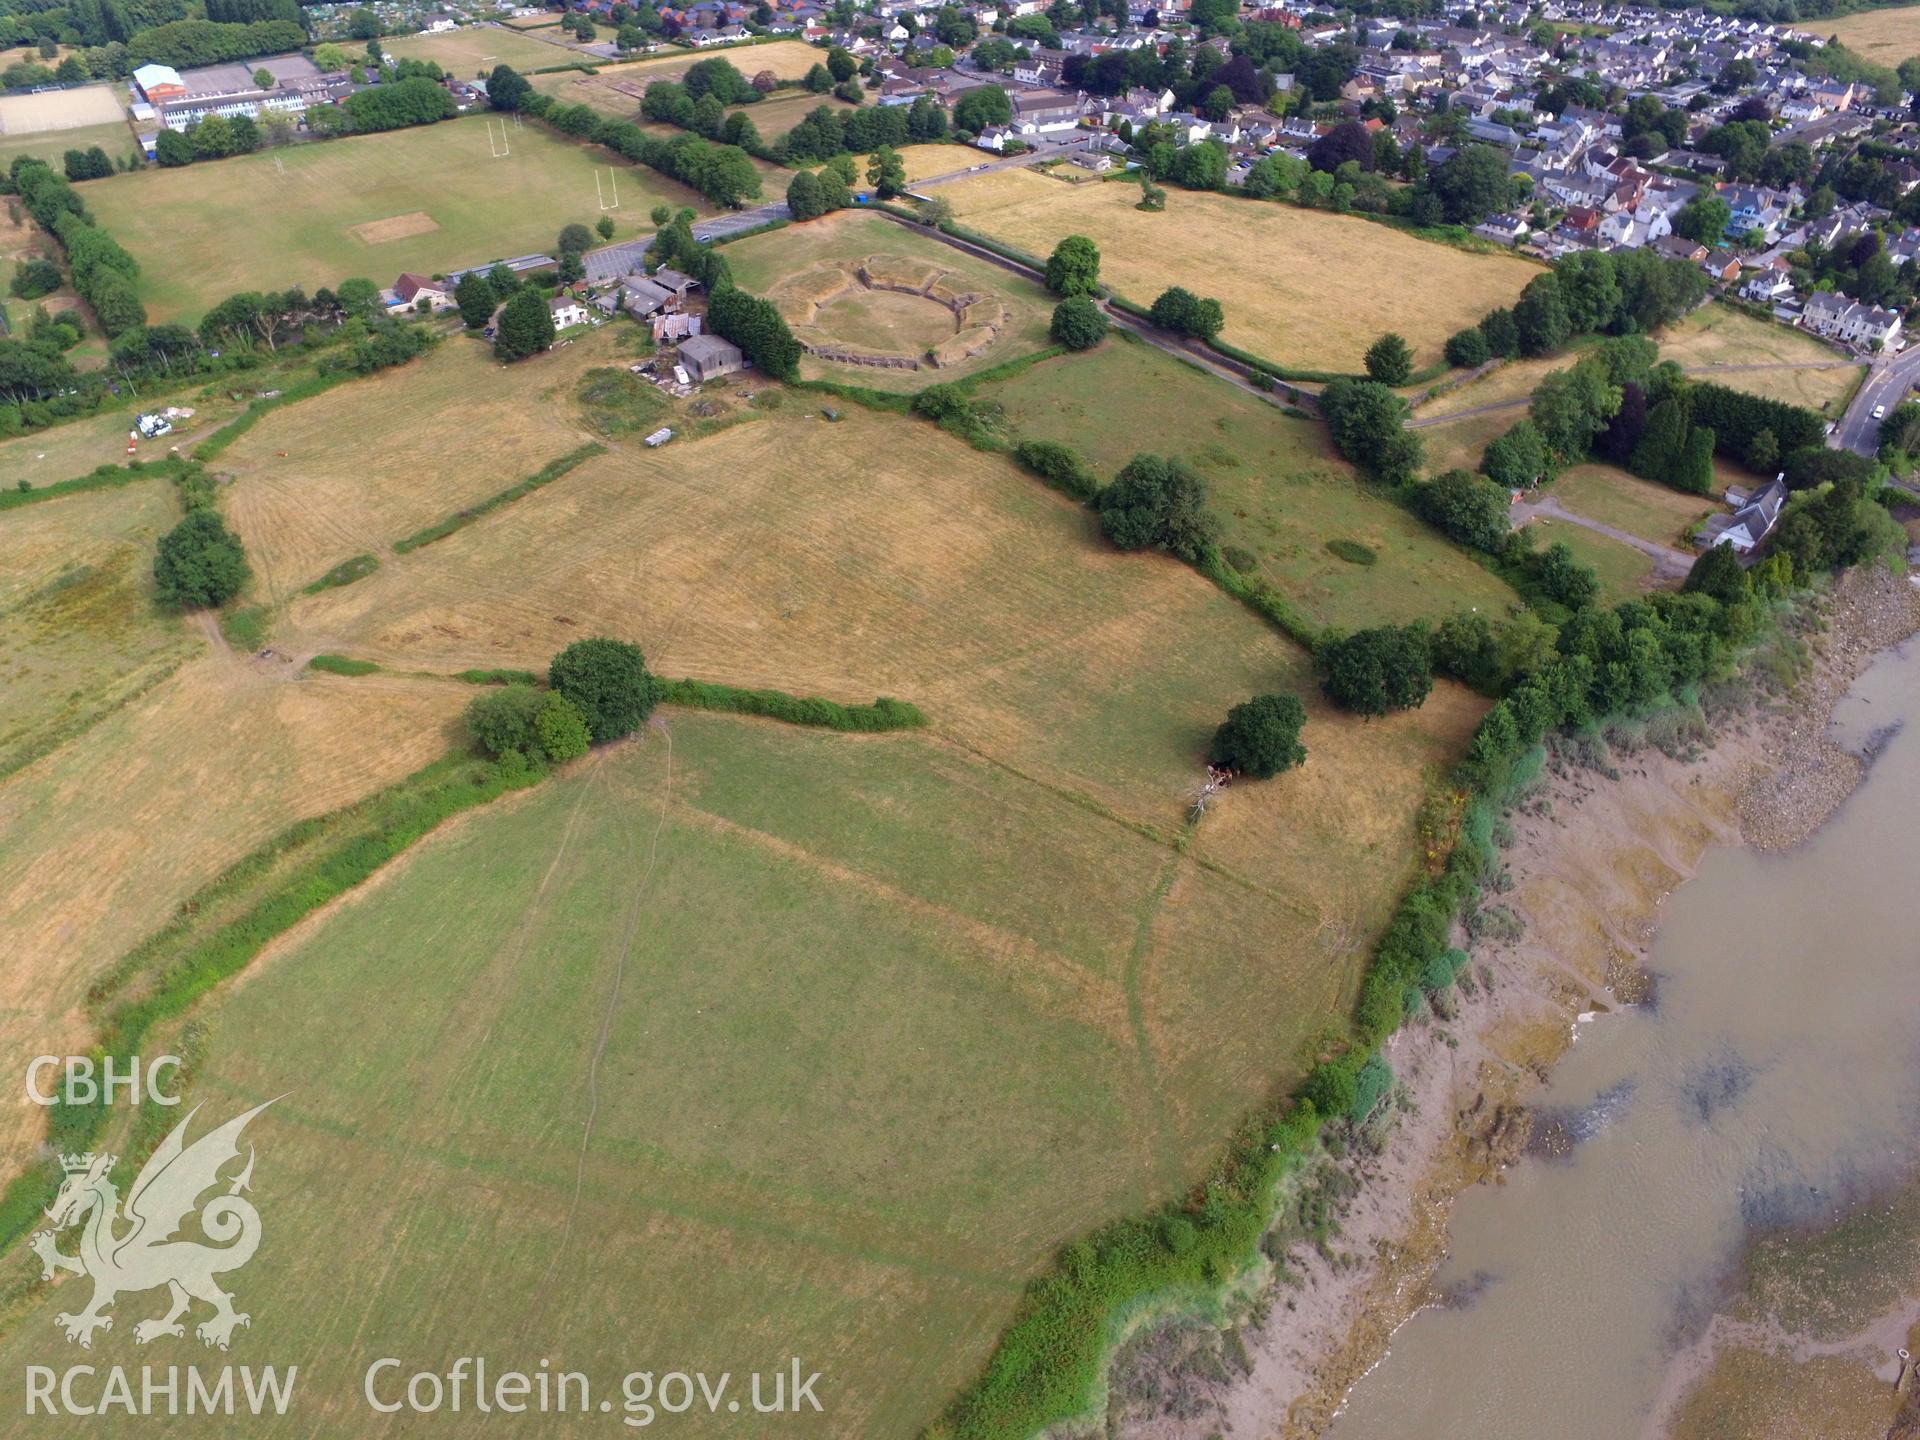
x=1468 y=349
x=1060 y=466
x=561 y=729
x=1078 y=323
x=501 y=721
x=1390 y=360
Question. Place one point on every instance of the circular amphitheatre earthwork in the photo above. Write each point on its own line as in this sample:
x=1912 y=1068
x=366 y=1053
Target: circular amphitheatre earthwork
x=889 y=312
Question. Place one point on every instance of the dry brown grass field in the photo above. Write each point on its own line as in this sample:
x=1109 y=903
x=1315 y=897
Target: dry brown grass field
x=777 y=1167
x=925 y=161
x=869 y=556
x=1717 y=335
x=1885 y=35
x=1301 y=287
x=475 y=48
x=366 y=464
x=60 y=110
x=109 y=833
x=79 y=629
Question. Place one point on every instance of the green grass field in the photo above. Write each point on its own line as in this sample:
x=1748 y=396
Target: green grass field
x=288 y=217
x=117 y=139
x=1641 y=507
x=1277 y=484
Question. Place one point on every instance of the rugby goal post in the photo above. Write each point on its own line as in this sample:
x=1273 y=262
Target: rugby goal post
x=498 y=145
x=608 y=201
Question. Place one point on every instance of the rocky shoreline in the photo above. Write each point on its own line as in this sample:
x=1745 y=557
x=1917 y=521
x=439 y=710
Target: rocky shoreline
x=1595 y=850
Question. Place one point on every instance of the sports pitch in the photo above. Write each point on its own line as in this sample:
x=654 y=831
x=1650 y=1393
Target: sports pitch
x=60 y=110
x=287 y=217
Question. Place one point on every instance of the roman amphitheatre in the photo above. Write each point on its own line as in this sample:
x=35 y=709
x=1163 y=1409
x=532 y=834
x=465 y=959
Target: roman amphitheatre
x=890 y=312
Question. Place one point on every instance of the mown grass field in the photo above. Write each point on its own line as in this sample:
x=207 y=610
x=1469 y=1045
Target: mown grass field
x=886 y=1018
x=1301 y=287
x=108 y=834
x=115 y=137
x=763 y=262
x=472 y=49
x=1624 y=572
x=1640 y=507
x=204 y=231
x=1277 y=483
x=363 y=465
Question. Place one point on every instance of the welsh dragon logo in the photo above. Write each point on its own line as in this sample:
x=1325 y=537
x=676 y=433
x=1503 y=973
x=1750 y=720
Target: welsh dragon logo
x=126 y=1253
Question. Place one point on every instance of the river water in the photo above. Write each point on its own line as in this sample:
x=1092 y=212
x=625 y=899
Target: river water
x=1773 y=1080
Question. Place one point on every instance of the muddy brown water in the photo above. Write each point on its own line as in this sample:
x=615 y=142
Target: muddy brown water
x=1771 y=1080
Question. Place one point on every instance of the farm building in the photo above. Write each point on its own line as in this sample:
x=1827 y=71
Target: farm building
x=567 y=310
x=707 y=357
x=410 y=290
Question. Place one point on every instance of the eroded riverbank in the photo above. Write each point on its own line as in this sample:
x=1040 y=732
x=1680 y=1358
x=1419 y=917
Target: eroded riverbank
x=1593 y=854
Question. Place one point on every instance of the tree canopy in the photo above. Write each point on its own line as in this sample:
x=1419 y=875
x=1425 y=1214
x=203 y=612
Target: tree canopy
x=1261 y=737
x=608 y=681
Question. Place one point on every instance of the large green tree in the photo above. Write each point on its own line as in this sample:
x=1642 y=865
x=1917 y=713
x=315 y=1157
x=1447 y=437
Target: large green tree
x=1074 y=267
x=1157 y=503
x=1261 y=736
x=1372 y=672
x=608 y=681
x=199 y=563
x=525 y=326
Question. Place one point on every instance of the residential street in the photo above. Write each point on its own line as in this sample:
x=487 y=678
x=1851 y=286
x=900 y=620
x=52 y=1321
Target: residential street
x=1886 y=384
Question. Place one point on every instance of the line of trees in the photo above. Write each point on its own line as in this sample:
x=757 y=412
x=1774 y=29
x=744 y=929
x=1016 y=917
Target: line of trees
x=102 y=270
x=724 y=174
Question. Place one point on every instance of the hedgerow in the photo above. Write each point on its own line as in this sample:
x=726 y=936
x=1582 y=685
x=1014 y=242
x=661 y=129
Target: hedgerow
x=882 y=714
x=545 y=475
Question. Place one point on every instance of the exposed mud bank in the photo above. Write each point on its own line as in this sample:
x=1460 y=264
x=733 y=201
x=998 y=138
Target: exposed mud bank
x=1595 y=851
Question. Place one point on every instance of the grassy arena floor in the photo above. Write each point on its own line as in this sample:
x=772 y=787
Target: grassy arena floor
x=204 y=231
x=1276 y=481
x=894 y=1014
x=1301 y=287
x=762 y=262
